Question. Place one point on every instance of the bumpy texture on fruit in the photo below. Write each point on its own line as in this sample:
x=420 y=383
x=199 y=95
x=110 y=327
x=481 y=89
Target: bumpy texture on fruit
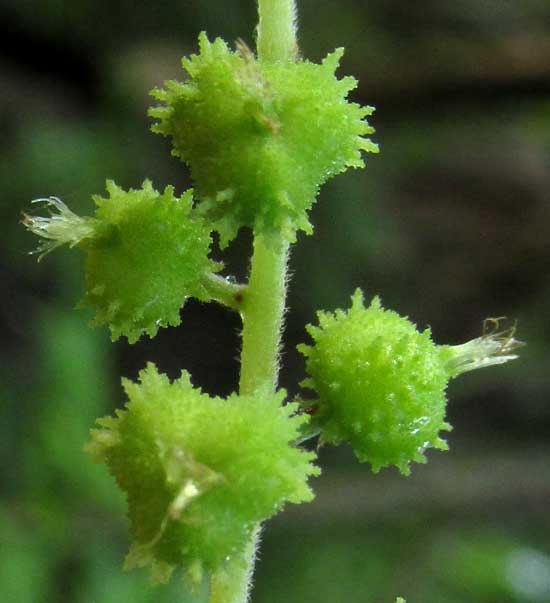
x=149 y=253
x=200 y=472
x=381 y=384
x=261 y=137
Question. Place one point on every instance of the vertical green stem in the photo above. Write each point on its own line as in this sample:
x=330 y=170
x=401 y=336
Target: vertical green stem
x=232 y=583
x=263 y=302
x=263 y=310
x=277 y=30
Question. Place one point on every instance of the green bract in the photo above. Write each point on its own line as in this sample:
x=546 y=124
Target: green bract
x=261 y=137
x=200 y=472
x=381 y=384
x=149 y=255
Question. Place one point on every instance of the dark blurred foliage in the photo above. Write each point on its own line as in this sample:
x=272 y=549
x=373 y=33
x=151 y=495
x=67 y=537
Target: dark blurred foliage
x=449 y=224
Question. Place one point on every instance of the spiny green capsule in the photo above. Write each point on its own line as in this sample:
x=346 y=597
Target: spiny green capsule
x=259 y=137
x=200 y=472
x=146 y=252
x=381 y=383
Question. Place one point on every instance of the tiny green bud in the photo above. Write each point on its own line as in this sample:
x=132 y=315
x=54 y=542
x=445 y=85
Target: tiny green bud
x=381 y=383
x=200 y=472
x=146 y=252
x=261 y=137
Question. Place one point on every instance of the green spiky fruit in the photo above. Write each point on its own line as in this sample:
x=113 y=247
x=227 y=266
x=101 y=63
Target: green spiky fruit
x=200 y=472
x=146 y=253
x=381 y=384
x=261 y=137
x=149 y=254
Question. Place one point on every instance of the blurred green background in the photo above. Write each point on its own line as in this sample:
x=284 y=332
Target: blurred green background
x=449 y=224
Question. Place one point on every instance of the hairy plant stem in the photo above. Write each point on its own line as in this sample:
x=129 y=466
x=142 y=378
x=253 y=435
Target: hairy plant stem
x=232 y=584
x=263 y=309
x=263 y=300
x=277 y=30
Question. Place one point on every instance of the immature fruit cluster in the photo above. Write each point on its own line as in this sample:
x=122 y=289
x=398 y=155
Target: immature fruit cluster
x=200 y=472
x=261 y=137
x=381 y=384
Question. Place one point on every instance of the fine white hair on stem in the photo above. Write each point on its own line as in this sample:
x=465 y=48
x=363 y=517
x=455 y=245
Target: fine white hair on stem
x=255 y=546
x=277 y=28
